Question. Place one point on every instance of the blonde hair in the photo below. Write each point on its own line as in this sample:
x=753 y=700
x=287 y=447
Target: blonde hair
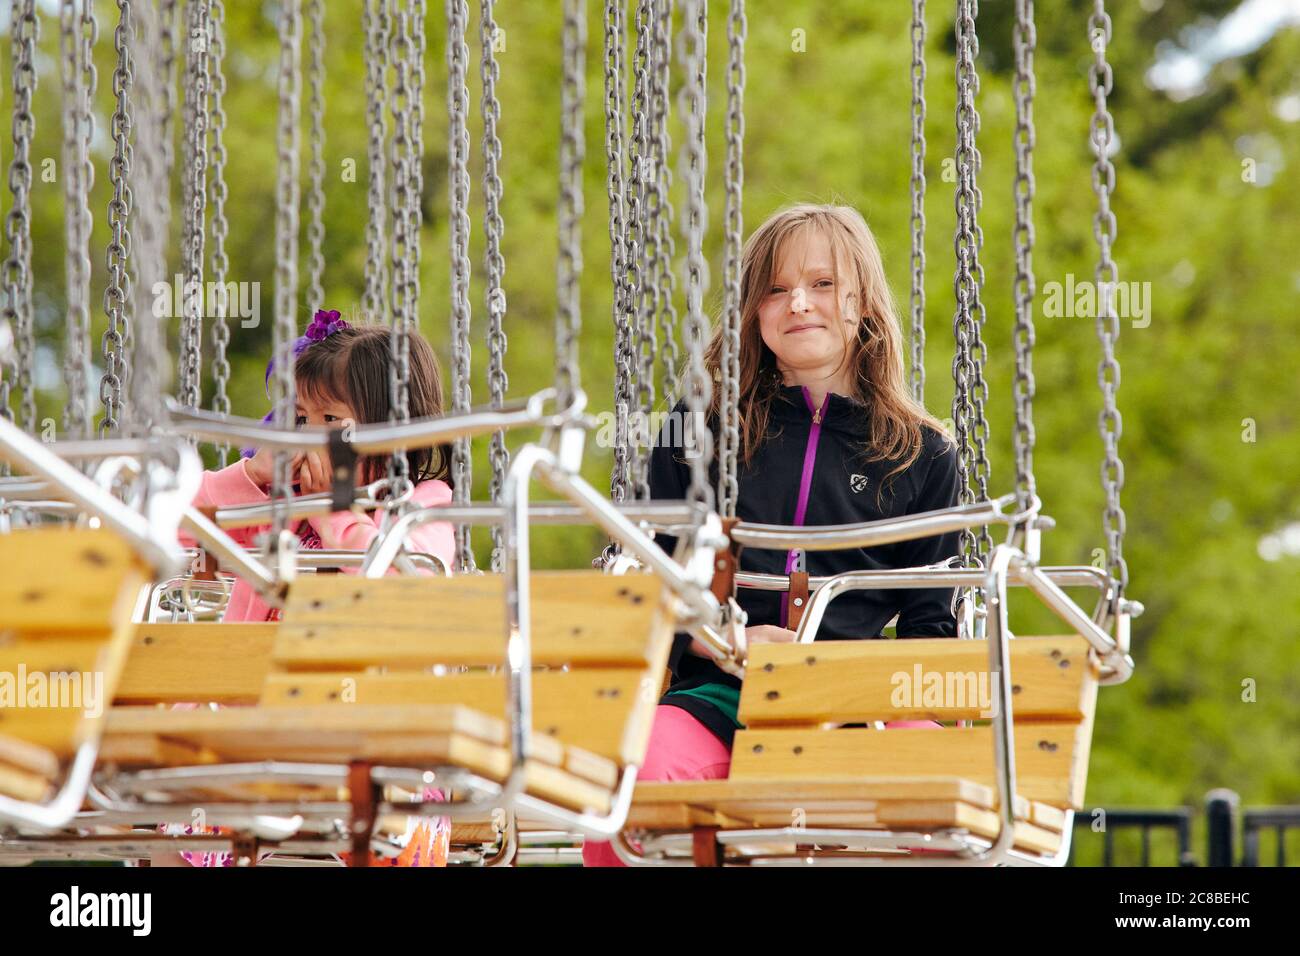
x=896 y=418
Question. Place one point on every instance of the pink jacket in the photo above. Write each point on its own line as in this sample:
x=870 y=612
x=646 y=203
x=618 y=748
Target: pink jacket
x=232 y=486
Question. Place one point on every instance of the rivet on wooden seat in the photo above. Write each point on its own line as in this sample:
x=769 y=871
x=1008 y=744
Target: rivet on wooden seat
x=1065 y=662
x=769 y=667
x=357 y=595
x=309 y=634
x=295 y=691
x=810 y=660
x=95 y=558
x=1056 y=653
x=577 y=631
x=148 y=639
x=798 y=750
x=317 y=604
x=551 y=731
x=773 y=694
x=638 y=598
x=1016 y=688
x=758 y=748
x=32 y=595
x=1047 y=745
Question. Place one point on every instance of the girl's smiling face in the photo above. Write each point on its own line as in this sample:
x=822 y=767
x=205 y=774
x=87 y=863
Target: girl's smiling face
x=806 y=318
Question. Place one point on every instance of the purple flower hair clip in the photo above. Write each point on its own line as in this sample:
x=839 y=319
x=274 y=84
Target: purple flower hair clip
x=324 y=324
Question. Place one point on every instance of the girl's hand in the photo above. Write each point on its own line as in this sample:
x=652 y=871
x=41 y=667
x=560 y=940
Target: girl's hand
x=261 y=467
x=313 y=472
x=769 y=634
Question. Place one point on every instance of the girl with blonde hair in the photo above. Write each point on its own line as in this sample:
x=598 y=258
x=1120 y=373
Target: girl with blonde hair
x=829 y=434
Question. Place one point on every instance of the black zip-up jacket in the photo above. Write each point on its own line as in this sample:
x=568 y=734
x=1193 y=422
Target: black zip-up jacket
x=812 y=469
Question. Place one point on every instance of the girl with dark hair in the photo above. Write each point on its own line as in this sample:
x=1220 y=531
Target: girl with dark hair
x=342 y=379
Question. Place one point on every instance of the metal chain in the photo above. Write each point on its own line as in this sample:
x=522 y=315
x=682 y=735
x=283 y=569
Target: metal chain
x=1025 y=39
x=659 y=205
x=415 y=131
x=568 y=320
x=286 y=242
x=167 y=40
x=399 y=199
x=733 y=239
x=220 y=227
x=693 y=159
x=316 y=166
x=458 y=202
x=641 y=240
x=118 y=291
x=195 y=176
x=187 y=158
x=971 y=391
x=77 y=34
x=917 y=301
x=1104 y=228
x=493 y=230
x=375 y=27
x=146 y=342
x=25 y=30
x=615 y=83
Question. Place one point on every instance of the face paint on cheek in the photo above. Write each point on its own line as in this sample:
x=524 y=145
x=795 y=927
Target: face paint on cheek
x=799 y=300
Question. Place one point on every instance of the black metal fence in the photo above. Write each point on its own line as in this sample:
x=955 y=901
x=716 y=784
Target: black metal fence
x=1232 y=834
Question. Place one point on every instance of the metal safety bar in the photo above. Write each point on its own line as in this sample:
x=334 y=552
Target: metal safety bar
x=659 y=516
x=377 y=438
x=834 y=537
x=1069 y=576
x=1117 y=665
x=234 y=558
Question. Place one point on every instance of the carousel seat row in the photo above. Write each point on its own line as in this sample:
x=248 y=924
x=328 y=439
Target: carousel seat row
x=395 y=672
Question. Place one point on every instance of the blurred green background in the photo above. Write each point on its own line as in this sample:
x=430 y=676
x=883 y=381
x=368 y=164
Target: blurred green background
x=1207 y=110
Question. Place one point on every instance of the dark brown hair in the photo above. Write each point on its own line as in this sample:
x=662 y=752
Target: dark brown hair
x=352 y=365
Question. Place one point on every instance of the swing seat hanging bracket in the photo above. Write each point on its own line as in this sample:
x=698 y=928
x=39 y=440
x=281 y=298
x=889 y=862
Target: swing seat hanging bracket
x=343 y=461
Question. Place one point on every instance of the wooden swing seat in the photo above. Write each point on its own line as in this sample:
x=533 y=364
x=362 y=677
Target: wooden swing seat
x=797 y=765
x=66 y=597
x=405 y=672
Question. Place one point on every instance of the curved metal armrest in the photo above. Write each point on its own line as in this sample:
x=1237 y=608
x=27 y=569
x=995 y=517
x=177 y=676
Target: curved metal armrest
x=153 y=534
x=886 y=531
x=379 y=438
x=59 y=811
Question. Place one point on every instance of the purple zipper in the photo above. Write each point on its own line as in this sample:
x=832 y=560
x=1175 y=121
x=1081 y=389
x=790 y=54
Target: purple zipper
x=805 y=485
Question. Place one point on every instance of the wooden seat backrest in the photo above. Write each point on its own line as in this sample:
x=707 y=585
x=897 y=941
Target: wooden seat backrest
x=599 y=643
x=794 y=696
x=66 y=598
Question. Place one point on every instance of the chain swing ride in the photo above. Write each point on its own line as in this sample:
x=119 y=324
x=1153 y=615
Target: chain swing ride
x=525 y=696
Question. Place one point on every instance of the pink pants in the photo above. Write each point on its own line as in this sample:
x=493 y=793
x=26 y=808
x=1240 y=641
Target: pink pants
x=682 y=748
